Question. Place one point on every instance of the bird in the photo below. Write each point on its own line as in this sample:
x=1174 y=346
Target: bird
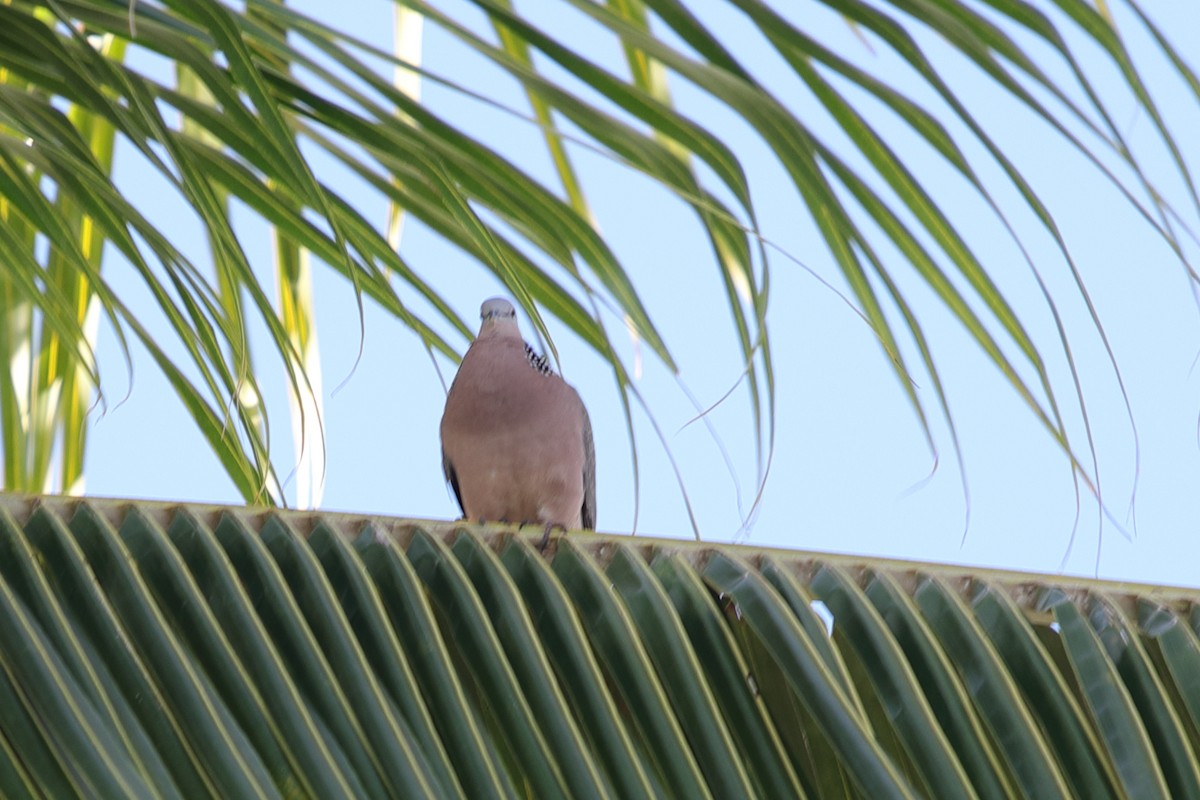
x=516 y=438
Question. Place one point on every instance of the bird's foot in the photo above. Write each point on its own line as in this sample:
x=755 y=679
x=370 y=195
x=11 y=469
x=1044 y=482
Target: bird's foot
x=550 y=526
x=485 y=521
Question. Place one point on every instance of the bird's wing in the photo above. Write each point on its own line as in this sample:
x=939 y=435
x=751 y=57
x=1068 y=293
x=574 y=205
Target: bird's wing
x=589 y=473
x=452 y=479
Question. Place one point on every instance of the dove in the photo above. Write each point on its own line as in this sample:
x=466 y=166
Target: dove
x=516 y=438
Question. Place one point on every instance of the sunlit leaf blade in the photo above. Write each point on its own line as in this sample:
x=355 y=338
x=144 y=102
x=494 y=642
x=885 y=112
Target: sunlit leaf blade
x=1049 y=697
x=869 y=767
x=994 y=691
x=496 y=689
x=254 y=98
x=22 y=573
x=661 y=156
x=734 y=686
x=475 y=758
x=364 y=612
x=921 y=737
x=948 y=696
x=804 y=606
x=98 y=627
x=321 y=765
x=563 y=736
x=660 y=738
x=80 y=736
x=181 y=598
x=1164 y=726
x=401 y=766
x=1110 y=706
x=1178 y=648
x=581 y=678
x=683 y=680
x=214 y=737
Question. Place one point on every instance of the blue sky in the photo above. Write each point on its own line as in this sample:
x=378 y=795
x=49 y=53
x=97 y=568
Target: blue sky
x=848 y=446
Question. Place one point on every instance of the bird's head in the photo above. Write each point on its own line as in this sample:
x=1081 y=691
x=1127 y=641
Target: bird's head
x=499 y=318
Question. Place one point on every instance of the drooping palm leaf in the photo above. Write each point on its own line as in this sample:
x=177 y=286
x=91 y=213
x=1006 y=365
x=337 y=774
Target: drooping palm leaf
x=245 y=120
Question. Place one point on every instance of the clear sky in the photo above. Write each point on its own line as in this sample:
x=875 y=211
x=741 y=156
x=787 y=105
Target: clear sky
x=848 y=446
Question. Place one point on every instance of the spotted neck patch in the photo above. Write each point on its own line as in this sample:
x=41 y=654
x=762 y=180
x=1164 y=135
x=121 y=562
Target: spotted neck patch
x=538 y=362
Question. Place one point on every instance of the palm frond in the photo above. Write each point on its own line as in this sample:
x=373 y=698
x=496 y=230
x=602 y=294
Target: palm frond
x=271 y=107
x=187 y=651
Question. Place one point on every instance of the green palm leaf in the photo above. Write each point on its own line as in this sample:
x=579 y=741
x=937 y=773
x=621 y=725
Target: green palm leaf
x=248 y=127
x=199 y=651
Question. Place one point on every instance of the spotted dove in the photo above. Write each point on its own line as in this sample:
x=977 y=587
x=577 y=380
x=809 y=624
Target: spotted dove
x=516 y=438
